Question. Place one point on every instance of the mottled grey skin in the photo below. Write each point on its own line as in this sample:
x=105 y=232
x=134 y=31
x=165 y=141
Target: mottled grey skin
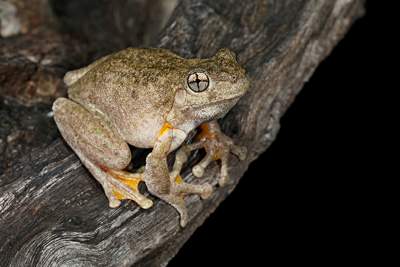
x=141 y=97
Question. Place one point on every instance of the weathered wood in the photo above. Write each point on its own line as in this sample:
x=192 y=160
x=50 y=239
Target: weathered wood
x=53 y=213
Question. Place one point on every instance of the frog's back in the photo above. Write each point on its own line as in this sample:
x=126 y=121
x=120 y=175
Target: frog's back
x=138 y=67
x=131 y=89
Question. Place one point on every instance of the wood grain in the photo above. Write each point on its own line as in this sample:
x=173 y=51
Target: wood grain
x=53 y=213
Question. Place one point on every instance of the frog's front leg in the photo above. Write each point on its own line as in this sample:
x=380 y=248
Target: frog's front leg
x=166 y=185
x=218 y=146
x=101 y=150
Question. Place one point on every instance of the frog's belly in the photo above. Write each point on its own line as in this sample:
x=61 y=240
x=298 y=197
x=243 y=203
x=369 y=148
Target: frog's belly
x=146 y=132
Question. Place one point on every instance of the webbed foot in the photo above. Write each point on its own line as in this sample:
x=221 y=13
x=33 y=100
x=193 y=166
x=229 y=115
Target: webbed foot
x=125 y=185
x=179 y=190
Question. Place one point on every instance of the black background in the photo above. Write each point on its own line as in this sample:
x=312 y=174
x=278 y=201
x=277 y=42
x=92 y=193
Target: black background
x=310 y=191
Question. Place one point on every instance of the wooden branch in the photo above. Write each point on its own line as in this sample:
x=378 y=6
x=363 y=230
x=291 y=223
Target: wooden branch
x=52 y=212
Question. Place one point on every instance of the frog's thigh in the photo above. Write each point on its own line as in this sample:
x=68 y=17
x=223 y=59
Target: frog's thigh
x=87 y=134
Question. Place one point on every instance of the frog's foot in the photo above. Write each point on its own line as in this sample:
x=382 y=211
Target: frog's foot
x=179 y=189
x=176 y=196
x=218 y=146
x=125 y=185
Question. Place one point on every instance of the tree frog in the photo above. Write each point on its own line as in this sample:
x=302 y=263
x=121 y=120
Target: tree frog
x=150 y=98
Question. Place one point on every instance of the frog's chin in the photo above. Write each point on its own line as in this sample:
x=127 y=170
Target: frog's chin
x=214 y=110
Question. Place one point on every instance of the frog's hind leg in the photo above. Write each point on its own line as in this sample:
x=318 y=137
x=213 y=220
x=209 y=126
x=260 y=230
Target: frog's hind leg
x=101 y=150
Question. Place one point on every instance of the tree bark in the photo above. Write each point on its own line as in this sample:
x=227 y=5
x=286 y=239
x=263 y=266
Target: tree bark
x=52 y=212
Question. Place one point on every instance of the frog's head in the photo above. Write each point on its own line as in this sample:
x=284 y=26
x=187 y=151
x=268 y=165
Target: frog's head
x=213 y=86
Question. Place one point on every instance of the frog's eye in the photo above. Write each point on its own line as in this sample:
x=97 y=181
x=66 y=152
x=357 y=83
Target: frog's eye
x=198 y=81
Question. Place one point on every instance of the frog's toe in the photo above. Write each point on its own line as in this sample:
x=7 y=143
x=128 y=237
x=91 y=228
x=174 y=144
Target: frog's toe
x=207 y=191
x=113 y=202
x=181 y=188
x=179 y=204
x=176 y=197
x=239 y=151
x=198 y=171
x=126 y=186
